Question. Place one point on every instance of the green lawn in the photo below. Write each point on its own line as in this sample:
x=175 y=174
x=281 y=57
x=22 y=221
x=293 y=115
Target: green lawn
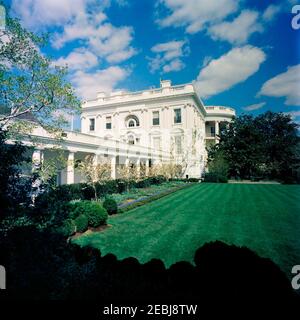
x=265 y=218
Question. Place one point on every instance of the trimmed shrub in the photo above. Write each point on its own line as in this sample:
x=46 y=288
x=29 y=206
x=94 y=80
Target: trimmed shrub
x=95 y=213
x=67 y=228
x=81 y=223
x=157 y=180
x=193 y=180
x=143 y=183
x=110 y=205
x=214 y=177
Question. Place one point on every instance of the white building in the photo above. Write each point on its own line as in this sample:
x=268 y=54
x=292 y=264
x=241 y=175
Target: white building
x=172 y=119
x=166 y=124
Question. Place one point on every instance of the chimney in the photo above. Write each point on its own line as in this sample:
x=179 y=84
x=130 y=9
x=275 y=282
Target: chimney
x=101 y=95
x=165 y=83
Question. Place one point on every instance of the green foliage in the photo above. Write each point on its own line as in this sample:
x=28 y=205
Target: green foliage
x=81 y=223
x=193 y=180
x=218 y=169
x=83 y=191
x=33 y=85
x=264 y=146
x=110 y=205
x=215 y=177
x=141 y=202
x=14 y=189
x=67 y=228
x=93 y=210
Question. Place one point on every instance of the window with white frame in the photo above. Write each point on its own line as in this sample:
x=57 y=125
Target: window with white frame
x=156 y=143
x=155 y=118
x=92 y=124
x=130 y=139
x=177 y=115
x=178 y=144
x=108 y=123
x=132 y=121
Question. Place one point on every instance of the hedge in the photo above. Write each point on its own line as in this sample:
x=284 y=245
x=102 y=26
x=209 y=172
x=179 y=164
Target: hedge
x=67 y=228
x=142 y=201
x=93 y=210
x=82 y=223
x=110 y=205
x=83 y=191
x=214 y=177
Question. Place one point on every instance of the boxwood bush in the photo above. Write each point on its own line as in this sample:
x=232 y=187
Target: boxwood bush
x=67 y=228
x=110 y=205
x=93 y=210
x=81 y=223
x=83 y=191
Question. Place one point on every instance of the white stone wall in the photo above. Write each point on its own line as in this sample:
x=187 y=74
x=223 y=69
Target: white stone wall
x=191 y=129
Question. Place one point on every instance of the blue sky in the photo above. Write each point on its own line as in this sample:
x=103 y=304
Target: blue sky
x=238 y=53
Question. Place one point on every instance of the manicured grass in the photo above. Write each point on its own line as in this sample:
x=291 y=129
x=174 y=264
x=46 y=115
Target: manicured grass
x=265 y=218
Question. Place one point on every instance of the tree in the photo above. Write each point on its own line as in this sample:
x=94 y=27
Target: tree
x=31 y=86
x=128 y=173
x=280 y=141
x=168 y=170
x=14 y=189
x=95 y=172
x=219 y=167
x=264 y=146
x=47 y=170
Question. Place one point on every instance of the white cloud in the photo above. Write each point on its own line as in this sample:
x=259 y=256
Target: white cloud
x=239 y=30
x=294 y=114
x=38 y=13
x=174 y=65
x=232 y=68
x=82 y=20
x=79 y=59
x=168 y=56
x=88 y=84
x=195 y=15
x=286 y=85
x=253 y=107
x=271 y=12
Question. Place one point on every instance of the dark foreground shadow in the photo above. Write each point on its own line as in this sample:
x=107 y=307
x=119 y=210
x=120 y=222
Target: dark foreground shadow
x=42 y=266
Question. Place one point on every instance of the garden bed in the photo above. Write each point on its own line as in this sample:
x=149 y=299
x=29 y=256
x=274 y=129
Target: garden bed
x=137 y=197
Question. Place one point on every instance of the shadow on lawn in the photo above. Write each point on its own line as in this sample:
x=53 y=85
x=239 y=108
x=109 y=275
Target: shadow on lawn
x=41 y=265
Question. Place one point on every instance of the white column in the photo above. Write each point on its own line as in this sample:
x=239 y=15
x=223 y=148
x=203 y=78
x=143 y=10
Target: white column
x=113 y=168
x=217 y=128
x=147 y=167
x=70 y=168
x=127 y=161
x=138 y=167
x=37 y=159
x=95 y=159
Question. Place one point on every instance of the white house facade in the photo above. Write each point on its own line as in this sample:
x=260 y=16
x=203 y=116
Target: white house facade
x=170 y=119
x=167 y=124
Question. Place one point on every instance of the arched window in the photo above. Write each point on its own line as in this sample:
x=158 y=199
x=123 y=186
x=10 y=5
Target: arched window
x=132 y=121
x=130 y=139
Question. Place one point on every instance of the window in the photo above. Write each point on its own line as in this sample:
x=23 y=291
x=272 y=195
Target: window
x=212 y=131
x=177 y=115
x=92 y=124
x=155 y=119
x=132 y=121
x=178 y=144
x=131 y=139
x=108 y=123
x=156 y=143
